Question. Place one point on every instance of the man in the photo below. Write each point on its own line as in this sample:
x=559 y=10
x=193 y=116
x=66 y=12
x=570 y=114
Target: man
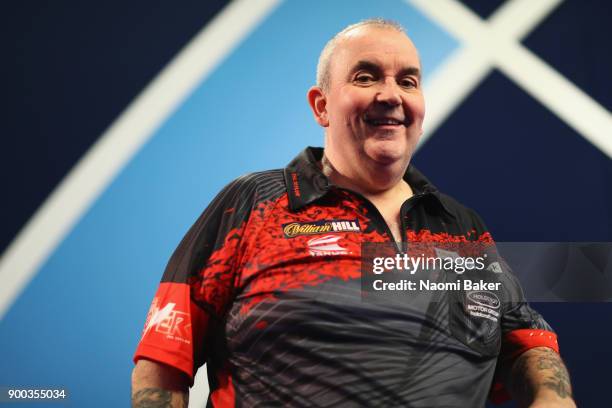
x=265 y=287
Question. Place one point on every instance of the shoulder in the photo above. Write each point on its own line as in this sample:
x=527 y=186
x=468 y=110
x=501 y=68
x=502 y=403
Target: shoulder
x=251 y=187
x=259 y=180
x=467 y=217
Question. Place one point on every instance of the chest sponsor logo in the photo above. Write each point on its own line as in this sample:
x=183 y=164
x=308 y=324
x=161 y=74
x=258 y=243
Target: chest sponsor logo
x=483 y=308
x=327 y=245
x=484 y=298
x=483 y=304
x=295 y=229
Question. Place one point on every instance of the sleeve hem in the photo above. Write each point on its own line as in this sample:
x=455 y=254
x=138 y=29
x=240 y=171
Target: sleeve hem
x=164 y=357
x=516 y=343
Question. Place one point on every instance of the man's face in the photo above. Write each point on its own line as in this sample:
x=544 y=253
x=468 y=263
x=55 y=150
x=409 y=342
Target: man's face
x=375 y=106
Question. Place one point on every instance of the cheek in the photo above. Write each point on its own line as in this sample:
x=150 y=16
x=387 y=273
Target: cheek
x=351 y=106
x=417 y=108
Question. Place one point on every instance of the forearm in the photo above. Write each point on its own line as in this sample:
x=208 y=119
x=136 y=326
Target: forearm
x=538 y=378
x=156 y=385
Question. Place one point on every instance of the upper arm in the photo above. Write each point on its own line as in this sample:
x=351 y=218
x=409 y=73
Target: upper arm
x=157 y=384
x=539 y=375
x=148 y=373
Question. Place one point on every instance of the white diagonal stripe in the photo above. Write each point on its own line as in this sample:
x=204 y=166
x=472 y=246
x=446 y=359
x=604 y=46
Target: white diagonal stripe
x=562 y=97
x=518 y=18
x=105 y=159
x=495 y=44
x=444 y=91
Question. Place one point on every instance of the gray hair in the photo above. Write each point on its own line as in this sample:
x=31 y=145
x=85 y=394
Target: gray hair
x=323 y=75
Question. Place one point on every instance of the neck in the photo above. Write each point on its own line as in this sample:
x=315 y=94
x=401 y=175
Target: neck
x=392 y=191
x=388 y=201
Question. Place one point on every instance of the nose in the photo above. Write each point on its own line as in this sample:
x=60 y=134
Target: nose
x=389 y=93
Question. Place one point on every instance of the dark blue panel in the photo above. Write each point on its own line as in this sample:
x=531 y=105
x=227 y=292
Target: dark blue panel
x=527 y=173
x=532 y=179
x=585 y=337
x=484 y=8
x=69 y=69
x=575 y=40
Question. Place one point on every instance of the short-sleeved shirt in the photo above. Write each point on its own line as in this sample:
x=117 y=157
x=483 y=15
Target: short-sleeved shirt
x=265 y=288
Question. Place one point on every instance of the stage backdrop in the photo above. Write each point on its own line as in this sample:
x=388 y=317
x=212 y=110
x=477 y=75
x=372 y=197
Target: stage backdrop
x=122 y=120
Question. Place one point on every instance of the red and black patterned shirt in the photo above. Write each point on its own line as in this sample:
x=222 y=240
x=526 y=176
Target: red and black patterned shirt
x=265 y=289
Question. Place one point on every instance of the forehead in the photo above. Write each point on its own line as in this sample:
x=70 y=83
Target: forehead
x=387 y=47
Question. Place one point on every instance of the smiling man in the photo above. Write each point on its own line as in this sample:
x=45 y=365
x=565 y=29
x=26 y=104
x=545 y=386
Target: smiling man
x=370 y=101
x=265 y=288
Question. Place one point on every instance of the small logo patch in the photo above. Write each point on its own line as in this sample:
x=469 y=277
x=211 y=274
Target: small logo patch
x=495 y=267
x=484 y=298
x=168 y=321
x=327 y=245
x=295 y=229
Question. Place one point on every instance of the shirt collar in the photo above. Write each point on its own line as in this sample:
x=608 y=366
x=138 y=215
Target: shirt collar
x=306 y=183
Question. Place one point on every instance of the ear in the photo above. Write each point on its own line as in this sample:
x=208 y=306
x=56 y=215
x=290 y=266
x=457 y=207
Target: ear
x=318 y=103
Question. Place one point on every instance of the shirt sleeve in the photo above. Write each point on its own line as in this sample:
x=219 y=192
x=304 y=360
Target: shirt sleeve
x=522 y=328
x=197 y=284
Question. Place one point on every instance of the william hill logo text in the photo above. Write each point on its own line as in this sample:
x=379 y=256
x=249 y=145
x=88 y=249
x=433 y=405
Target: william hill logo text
x=295 y=229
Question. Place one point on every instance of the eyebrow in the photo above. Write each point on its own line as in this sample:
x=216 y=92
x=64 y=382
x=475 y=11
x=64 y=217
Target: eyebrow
x=374 y=67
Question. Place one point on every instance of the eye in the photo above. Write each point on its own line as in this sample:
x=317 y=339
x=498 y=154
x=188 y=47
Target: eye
x=408 y=82
x=364 y=78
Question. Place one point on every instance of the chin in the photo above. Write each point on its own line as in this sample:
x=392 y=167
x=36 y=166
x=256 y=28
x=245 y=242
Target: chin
x=386 y=153
x=389 y=163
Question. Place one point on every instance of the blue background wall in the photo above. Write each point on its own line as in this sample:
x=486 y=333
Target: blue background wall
x=71 y=69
